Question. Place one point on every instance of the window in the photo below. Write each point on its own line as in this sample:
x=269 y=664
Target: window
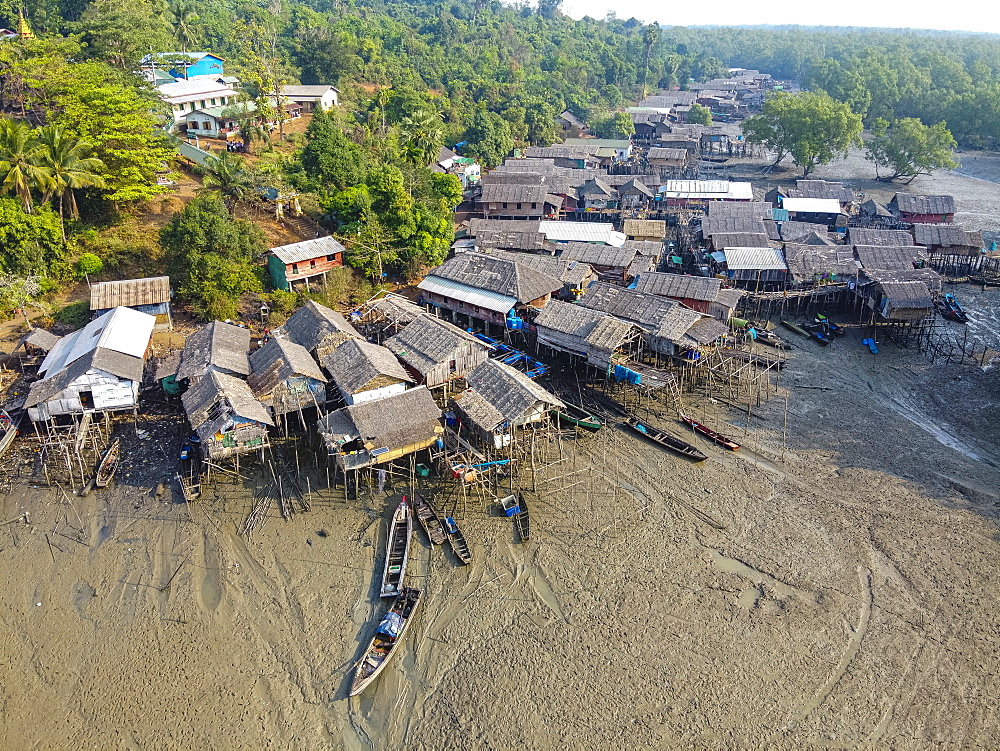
x=332 y=258
x=193 y=108
x=505 y=205
x=312 y=263
x=213 y=102
x=534 y=205
x=193 y=125
x=206 y=125
x=295 y=268
x=519 y=206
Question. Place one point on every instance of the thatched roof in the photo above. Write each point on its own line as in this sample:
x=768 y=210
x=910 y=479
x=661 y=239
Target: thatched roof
x=592 y=327
x=911 y=204
x=706 y=330
x=910 y=295
x=478 y=411
x=517 y=193
x=806 y=262
x=279 y=360
x=721 y=240
x=234 y=397
x=510 y=391
x=216 y=345
x=871 y=207
x=393 y=422
x=877 y=257
x=566 y=270
x=882 y=237
x=940 y=234
x=821 y=189
x=40 y=338
x=314 y=326
x=597 y=255
x=678 y=285
x=645 y=228
x=792 y=231
x=713 y=225
x=497 y=274
x=398 y=309
x=427 y=342
x=356 y=364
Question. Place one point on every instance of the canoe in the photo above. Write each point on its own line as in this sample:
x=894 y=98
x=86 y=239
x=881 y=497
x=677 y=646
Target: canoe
x=710 y=434
x=429 y=519
x=951 y=310
x=521 y=521
x=8 y=431
x=578 y=416
x=831 y=327
x=397 y=550
x=457 y=540
x=764 y=336
x=109 y=464
x=818 y=332
x=796 y=328
x=189 y=471
x=388 y=637
x=666 y=440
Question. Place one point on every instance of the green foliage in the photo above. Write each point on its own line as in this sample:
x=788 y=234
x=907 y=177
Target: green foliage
x=88 y=263
x=281 y=302
x=330 y=159
x=699 y=115
x=813 y=128
x=76 y=315
x=212 y=258
x=228 y=177
x=909 y=148
x=20 y=153
x=121 y=32
x=489 y=137
x=32 y=243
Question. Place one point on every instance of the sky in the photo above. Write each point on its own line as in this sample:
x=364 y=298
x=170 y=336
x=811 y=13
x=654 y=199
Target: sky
x=920 y=14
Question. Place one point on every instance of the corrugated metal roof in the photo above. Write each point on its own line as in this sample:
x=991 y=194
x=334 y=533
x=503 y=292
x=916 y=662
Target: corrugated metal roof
x=472 y=295
x=594 y=232
x=130 y=292
x=708 y=189
x=121 y=330
x=812 y=205
x=308 y=249
x=764 y=259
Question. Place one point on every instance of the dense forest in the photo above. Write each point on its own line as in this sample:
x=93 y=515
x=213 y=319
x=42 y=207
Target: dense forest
x=80 y=144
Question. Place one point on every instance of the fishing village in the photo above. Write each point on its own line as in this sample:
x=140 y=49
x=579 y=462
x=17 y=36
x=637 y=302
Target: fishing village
x=710 y=444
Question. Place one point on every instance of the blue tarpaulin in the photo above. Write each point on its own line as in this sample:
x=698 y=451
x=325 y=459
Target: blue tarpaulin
x=391 y=624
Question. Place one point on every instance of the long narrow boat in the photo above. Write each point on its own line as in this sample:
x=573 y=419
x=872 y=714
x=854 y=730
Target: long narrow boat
x=578 y=416
x=109 y=464
x=950 y=309
x=818 y=332
x=428 y=517
x=666 y=440
x=710 y=434
x=189 y=471
x=8 y=431
x=521 y=521
x=831 y=327
x=796 y=328
x=387 y=639
x=765 y=336
x=457 y=540
x=397 y=550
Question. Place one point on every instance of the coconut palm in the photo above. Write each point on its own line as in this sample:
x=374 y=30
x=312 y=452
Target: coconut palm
x=182 y=16
x=423 y=137
x=227 y=175
x=19 y=151
x=66 y=165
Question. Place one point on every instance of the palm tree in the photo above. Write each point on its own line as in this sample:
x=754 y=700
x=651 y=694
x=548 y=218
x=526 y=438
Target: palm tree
x=182 y=16
x=227 y=175
x=66 y=164
x=19 y=152
x=423 y=137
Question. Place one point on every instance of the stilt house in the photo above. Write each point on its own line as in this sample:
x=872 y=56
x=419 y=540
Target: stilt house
x=226 y=416
x=285 y=378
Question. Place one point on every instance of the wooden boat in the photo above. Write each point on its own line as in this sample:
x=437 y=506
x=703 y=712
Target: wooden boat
x=189 y=471
x=710 y=434
x=831 y=327
x=764 y=336
x=8 y=431
x=818 y=332
x=950 y=309
x=521 y=520
x=578 y=416
x=429 y=519
x=397 y=550
x=666 y=440
x=796 y=328
x=457 y=540
x=986 y=281
x=388 y=637
x=109 y=464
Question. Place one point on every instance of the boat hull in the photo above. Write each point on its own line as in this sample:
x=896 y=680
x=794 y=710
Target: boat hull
x=380 y=649
x=397 y=550
x=710 y=434
x=666 y=440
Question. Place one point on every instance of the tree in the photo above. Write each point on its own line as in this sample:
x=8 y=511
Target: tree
x=489 y=137
x=228 y=177
x=19 y=154
x=182 y=17
x=812 y=127
x=650 y=36
x=909 y=148
x=67 y=165
x=32 y=243
x=699 y=115
x=89 y=263
x=121 y=32
x=330 y=159
x=423 y=137
x=211 y=257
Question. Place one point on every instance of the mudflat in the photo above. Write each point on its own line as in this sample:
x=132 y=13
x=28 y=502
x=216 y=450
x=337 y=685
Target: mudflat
x=832 y=584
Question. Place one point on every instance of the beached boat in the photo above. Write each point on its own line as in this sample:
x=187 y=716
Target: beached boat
x=457 y=540
x=397 y=550
x=950 y=309
x=796 y=328
x=388 y=637
x=429 y=519
x=665 y=439
x=8 y=431
x=818 y=332
x=109 y=464
x=986 y=281
x=515 y=507
x=189 y=471
x=578 y=416
x=710 y=434
x=765 y=336
x=831 y=327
